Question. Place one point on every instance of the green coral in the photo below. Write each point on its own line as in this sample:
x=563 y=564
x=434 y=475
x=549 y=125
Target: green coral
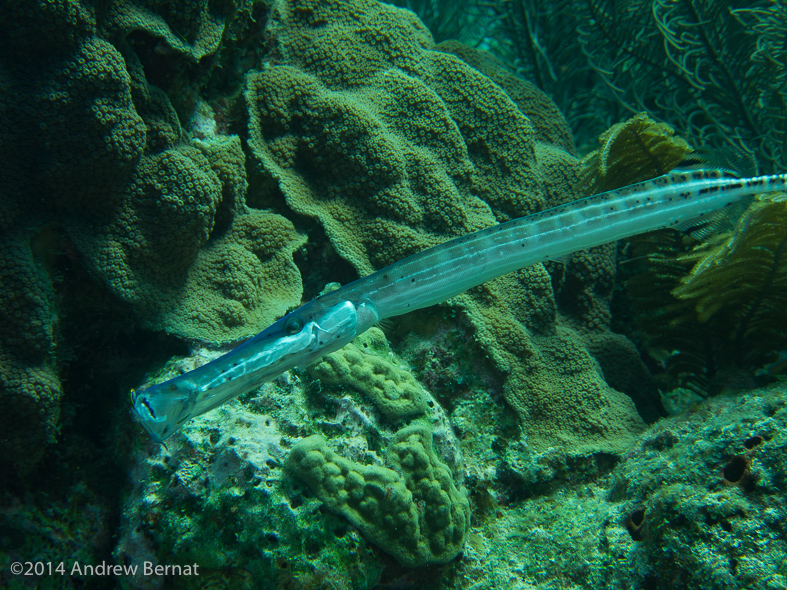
x=394 y=144
x=30 y=388
x=237 y=283
x=187 y=252
x=366 y=366
x=193 y=28
x=70 y=136
x=414 y=511
x=558 y=391
x=101 y=177
x=541 y=111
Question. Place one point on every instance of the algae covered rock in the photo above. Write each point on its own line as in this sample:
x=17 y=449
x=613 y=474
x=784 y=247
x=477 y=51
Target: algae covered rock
x=248 y=490
x=694 y=503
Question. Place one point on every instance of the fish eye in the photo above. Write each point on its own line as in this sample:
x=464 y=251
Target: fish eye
x=293 y=326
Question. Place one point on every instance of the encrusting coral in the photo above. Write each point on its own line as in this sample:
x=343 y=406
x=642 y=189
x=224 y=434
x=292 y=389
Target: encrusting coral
x=395 y=144
x=98 y=171
x=161 y=251
x=70 y=135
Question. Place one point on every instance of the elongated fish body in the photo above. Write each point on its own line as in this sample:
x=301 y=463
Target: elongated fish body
x=437 y=274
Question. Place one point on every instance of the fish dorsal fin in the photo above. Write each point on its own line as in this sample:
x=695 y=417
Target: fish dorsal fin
x=732 y=163
x=700 y=228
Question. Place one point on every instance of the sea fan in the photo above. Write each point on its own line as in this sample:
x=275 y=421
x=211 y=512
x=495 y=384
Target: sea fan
x=698 y=305
x=714 y=312
x=708 y=68
x=713 y=69
x=629 y=152
x=650 y=266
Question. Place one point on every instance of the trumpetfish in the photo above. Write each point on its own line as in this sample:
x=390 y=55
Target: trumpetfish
x=678 y=199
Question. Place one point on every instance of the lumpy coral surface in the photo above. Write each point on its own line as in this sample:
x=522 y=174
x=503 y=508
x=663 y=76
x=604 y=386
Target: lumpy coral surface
x=99 y=174
x=395 y=144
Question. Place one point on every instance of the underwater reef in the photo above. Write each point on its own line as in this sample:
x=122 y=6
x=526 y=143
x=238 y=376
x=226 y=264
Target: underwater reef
x=696 y=502
x=99 y=170
x=180 y=174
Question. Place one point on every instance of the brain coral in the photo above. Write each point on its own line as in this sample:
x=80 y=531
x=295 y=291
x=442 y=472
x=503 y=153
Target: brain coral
x=97 y=169
x=414 y=512
x=366 y=366
x=394 y=144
